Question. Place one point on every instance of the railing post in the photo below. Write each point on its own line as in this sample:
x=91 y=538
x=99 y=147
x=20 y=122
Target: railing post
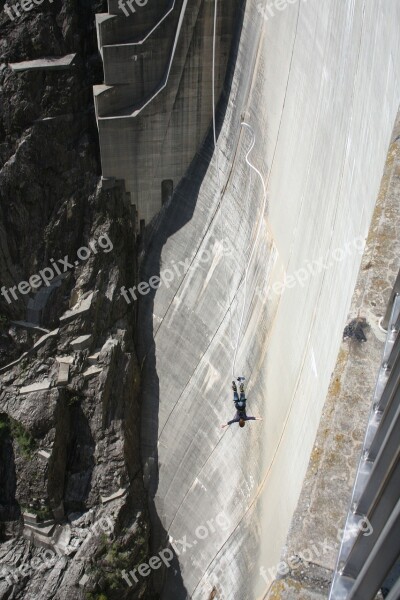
x=364 y=561
x=395 y=292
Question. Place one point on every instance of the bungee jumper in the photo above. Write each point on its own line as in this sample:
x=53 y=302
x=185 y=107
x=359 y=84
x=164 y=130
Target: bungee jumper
x=240 y=405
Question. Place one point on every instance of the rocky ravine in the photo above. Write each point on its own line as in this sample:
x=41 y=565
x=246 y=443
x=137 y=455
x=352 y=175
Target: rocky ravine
x=69 y=428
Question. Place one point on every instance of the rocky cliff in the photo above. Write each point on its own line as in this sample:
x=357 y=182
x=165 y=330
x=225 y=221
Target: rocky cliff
x=70 y=474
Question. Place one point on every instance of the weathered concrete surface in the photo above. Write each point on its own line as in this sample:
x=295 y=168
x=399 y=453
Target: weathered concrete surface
x=319 y=83
x=327 y=489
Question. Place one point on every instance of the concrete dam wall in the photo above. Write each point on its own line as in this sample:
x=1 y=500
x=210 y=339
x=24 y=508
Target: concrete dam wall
x=258 y=250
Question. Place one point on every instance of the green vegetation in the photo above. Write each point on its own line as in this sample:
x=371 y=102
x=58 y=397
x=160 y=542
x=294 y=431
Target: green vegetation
x=110 y=566
x=43 y=513
x=15 y=429
x=111 y=559
x=24 y=366
x=73 y=400
x=25 y=441
x=90 y=596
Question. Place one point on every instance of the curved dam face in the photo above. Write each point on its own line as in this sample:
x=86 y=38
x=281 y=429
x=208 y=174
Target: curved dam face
x=260 y=284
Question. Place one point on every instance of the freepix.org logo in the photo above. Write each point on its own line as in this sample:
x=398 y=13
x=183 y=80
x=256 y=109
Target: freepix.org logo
x=46 y=275
x=47 y=559
x=269 y=10
x=166 y=555
x=13 y=12
x=132 y=5
x=314 y=551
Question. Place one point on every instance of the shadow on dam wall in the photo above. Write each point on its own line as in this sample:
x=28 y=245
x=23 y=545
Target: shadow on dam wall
x=174 y=215
x=320 y=153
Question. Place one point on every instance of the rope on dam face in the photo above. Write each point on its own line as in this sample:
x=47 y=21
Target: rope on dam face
x=253 y=141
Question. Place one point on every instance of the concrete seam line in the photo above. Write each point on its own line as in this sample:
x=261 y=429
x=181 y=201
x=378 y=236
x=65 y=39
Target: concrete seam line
x=216 y=152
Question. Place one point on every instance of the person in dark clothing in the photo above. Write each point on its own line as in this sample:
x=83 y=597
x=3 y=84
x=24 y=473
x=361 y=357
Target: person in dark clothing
x=240 y=405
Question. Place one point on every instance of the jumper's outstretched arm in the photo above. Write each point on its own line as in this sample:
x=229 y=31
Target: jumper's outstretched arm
x=237 y=421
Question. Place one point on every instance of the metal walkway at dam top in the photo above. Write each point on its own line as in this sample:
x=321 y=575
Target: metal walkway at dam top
x=368 y=563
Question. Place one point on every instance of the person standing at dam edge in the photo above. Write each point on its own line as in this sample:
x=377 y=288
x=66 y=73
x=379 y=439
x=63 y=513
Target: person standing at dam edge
x=240 y=405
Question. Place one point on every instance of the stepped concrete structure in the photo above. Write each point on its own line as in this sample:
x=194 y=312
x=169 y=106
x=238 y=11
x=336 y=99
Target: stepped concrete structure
x=258 y=243
x=155 y=106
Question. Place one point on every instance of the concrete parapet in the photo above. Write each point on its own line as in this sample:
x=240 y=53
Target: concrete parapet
x=31 y=518
x=144 y=11
x=119 y=28
x=60 y=63
x=91 y=371
x=82 y=342
x=41 y=529
x=39 y=386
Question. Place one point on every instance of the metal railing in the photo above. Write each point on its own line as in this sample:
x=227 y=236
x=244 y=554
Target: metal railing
x=395 y=292
x=365 y=562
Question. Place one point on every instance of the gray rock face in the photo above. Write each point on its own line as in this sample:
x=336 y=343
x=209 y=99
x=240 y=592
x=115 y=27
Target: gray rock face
x=64 y=448
x=73 y=445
